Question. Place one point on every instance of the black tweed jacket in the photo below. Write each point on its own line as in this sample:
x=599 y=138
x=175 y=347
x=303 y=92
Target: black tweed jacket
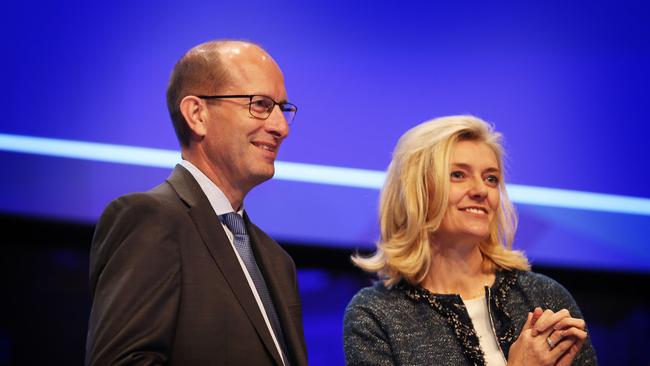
x=407 y=325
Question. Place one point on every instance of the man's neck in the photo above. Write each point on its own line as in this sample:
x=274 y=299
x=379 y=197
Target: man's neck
x=233 y=192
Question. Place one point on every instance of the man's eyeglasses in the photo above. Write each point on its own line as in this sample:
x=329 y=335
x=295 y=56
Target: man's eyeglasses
x=261 y=106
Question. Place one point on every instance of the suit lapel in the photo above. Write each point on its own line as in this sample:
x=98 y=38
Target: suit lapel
x=265 y=259
x=219 y=247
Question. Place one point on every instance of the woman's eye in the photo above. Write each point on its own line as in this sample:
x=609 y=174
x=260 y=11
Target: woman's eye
x=492 y=179
x=457 y=175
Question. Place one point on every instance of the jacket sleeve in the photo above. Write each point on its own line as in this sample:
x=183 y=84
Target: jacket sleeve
x=134 y=284
x=560 y=298
x=365 y=340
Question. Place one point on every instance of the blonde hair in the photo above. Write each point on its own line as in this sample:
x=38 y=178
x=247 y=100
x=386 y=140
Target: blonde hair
x=414 y=200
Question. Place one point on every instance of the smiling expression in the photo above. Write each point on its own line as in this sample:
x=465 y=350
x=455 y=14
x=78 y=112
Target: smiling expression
x=240 y=146
x=473 y=193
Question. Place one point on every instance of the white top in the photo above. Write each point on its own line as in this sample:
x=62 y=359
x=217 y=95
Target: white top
x=221 y=206
x=478 y=312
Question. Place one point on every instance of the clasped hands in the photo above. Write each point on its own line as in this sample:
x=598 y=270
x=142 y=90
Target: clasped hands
x=548 y=338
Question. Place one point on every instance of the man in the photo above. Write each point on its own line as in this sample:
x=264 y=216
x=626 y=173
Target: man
x=179 y=275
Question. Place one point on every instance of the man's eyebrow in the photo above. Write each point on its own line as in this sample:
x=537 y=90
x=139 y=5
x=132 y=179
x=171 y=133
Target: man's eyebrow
x=281 y=101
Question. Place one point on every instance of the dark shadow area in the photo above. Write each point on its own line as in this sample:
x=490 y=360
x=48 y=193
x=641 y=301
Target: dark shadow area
x=45 y=301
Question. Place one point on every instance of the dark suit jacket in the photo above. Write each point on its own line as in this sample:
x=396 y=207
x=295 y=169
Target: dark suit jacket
x=167 y=288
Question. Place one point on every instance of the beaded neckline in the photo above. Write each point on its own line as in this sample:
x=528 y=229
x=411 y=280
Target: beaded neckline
x=452 y=308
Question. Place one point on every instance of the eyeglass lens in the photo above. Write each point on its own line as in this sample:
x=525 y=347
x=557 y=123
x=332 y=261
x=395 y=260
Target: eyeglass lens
x=262 y=107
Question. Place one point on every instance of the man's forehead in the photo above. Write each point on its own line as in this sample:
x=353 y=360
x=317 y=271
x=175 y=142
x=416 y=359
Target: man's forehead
x=247 y=65
x=237 y=51
x=249 y=61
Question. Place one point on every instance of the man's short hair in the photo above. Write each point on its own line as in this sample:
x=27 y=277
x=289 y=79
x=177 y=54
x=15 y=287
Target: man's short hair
x=199 y=71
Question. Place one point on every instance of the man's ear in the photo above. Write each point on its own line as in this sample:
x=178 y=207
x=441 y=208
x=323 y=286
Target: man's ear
x=194 y=111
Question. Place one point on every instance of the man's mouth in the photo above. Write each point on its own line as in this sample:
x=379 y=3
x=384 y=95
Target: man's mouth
x=265 y=146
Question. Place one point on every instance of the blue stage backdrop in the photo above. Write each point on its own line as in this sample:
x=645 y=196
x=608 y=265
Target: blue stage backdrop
x=84 y=121
x=84 y=116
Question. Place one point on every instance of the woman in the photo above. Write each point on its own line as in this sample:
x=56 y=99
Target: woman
x=453 y=292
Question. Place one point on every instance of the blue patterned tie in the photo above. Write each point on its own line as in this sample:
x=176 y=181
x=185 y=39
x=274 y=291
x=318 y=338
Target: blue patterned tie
x=235 y=223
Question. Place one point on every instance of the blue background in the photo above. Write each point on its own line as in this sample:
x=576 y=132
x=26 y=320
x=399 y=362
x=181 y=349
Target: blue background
x=565 y=82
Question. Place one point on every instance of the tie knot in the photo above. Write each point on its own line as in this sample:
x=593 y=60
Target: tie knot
x=234 y=222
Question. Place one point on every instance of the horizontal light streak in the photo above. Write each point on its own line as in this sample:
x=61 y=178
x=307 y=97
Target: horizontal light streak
x=553 y=197
x=312 y=173
x=109 y=153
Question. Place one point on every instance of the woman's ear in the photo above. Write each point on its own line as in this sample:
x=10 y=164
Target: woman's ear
x=193 y=109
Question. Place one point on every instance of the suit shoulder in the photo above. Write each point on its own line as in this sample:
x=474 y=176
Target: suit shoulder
x=146 y=214
x=158 y=200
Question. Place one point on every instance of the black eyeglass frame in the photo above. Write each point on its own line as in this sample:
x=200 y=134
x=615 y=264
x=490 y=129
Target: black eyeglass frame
x=250 y=97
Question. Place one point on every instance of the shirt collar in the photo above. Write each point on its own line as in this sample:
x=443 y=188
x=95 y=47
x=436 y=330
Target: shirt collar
x=215 y=196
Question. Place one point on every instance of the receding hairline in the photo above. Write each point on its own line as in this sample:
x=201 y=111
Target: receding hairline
x=219 y=47
x=219 y=50
x=227 y=56
x=212 y=53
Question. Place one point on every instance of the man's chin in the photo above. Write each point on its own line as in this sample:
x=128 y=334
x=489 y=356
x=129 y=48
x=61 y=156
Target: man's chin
x=262 y=175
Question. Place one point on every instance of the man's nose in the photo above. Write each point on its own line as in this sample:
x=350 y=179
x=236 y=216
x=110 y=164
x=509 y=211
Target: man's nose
x=277 y=124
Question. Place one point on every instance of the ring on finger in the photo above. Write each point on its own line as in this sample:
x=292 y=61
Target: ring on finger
x=550 y=342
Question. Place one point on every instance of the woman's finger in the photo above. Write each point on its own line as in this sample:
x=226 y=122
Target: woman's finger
x=569 y=322
x=542 y=320
x=549 y=319
x=562 y=345
x=537 y=312
x=577 y=333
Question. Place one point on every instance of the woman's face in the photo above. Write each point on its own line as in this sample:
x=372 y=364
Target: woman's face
x=473 y=193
